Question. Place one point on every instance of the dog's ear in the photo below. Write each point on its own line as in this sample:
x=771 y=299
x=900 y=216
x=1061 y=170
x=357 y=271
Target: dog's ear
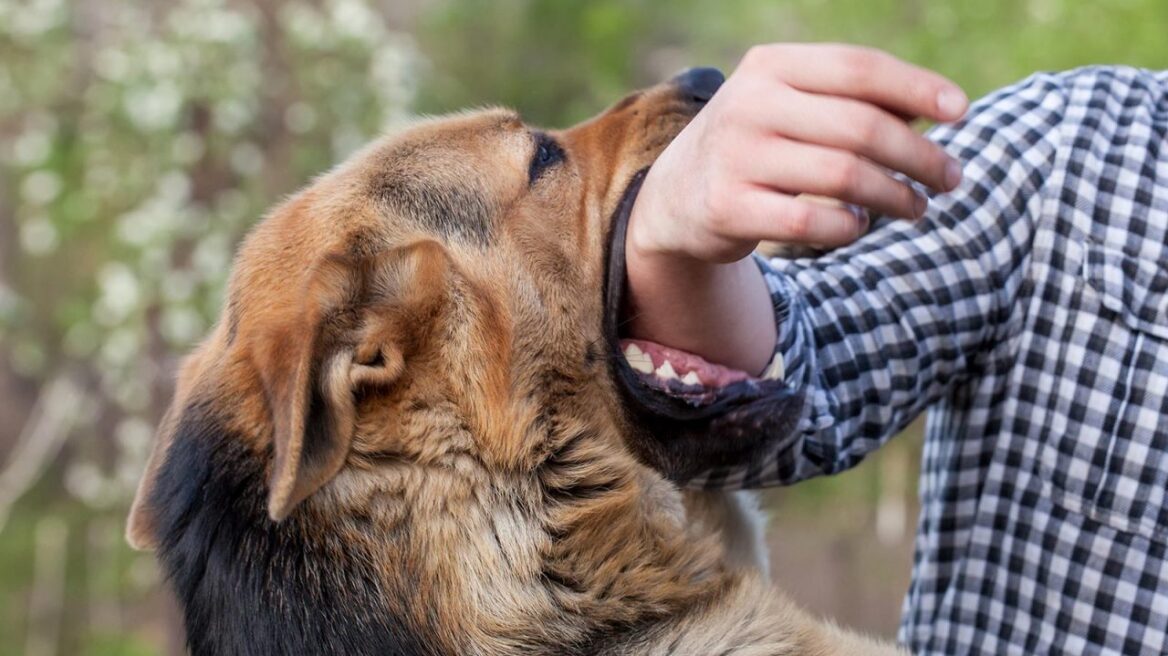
x=359 y=320
x=357 y=337
x=305 y=370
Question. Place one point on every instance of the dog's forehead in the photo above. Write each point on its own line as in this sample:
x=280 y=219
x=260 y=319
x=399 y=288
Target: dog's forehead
x=449 y=177
x=440 y=177
x=461 y=133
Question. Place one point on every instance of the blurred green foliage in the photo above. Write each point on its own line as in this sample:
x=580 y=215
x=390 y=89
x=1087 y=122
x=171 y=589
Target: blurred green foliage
x=561 y=60
x=139 y=140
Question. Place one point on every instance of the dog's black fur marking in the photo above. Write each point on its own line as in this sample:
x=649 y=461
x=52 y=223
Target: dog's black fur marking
x=452 y=210
x=232 y=312
x=626 y=101
x=250 y=586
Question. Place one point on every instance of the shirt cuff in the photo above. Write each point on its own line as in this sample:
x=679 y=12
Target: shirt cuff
x=795 y=346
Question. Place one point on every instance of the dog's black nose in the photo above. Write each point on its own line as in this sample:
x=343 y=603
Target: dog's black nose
x=699 y=84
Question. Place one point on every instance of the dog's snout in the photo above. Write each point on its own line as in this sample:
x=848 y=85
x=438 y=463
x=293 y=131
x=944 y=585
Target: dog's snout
x=699 y=84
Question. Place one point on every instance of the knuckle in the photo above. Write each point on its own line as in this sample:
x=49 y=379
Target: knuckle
x=754 y=57
x=736 y=102
x=762 y=57
x=923 y=94
x=867 y=128
x=857 y=63
x=718 y=203
x=719 y=224
x=843 y=173
x=797 y=221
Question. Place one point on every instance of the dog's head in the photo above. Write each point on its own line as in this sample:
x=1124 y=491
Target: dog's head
x=437 y=298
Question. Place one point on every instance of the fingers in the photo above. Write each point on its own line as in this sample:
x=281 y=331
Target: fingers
x=863 y=74
x=826 y=121
x=764 y=214
x=864 y=129
x=795 y=167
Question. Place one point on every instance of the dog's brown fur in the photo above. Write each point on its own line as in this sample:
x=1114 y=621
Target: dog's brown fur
x=409 y=372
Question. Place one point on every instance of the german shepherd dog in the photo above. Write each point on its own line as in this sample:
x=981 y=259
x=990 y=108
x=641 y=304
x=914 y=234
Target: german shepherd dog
x=412 y=431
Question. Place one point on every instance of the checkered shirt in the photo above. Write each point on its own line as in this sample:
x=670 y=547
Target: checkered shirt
x=1028 y=311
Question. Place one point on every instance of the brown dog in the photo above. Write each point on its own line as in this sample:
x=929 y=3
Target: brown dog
x=408 y=433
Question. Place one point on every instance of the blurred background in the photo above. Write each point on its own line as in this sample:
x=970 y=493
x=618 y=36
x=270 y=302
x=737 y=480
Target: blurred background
x=139 y=140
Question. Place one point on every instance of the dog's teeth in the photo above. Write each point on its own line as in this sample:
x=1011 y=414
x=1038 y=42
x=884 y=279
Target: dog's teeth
x=638 y=359
x=643 y=364
x=776 y=370
x=691 y=378
x=666 y=371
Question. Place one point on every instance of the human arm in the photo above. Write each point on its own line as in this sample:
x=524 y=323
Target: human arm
x=792 y=119
x=874 y=332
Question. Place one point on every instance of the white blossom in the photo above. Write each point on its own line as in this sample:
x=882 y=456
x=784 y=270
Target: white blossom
x=38 y=236
x=154 y=106
x=119 y=293
x=41 y=187
x=247 y=159
x=187 y=148
x=31 y=147
x=300 y=117
x=166 y=166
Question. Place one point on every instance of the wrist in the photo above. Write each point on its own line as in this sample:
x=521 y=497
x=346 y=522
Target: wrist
x=643 y=239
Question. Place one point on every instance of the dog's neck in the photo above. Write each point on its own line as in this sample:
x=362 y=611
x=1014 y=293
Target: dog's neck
x=576 y=532
x=588 y=552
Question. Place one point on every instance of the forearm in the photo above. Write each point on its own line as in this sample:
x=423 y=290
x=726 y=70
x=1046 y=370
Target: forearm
x=878 y=331
x=721 y=312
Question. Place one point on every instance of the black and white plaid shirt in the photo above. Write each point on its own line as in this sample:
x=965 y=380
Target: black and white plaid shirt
x=1029 y=312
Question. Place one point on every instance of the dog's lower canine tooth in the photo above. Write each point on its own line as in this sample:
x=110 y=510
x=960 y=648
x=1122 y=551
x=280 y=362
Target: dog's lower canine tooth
x=638 y=359
x=776 y=370
x=666 y=371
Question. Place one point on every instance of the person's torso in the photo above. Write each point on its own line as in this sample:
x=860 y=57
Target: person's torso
x=1045 y=482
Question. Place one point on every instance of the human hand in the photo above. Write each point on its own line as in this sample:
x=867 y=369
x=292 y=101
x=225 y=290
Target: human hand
x=792 y=119
x=826 y=120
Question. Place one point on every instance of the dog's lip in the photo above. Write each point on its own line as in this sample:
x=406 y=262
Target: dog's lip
x=634 y=391
x=682 y=398
x=687 y=432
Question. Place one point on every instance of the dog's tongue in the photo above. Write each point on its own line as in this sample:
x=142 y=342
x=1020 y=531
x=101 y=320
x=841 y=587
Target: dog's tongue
x=669 y=363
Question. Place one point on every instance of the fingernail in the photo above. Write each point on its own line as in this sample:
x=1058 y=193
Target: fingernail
x=952 y=102
x=919 y=206
x=862 y=219
x=952 y=174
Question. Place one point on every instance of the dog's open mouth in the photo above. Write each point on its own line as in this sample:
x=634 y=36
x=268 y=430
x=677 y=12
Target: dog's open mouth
x=699 y=414
x=685 y=375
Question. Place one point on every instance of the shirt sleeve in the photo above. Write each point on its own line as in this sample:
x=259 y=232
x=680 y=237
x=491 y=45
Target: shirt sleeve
x=874 y=333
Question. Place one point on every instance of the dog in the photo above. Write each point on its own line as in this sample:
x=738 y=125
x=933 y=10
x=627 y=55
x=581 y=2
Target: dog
x=412 y=431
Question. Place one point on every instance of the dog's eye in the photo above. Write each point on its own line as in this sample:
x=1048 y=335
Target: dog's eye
x=547 y=154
